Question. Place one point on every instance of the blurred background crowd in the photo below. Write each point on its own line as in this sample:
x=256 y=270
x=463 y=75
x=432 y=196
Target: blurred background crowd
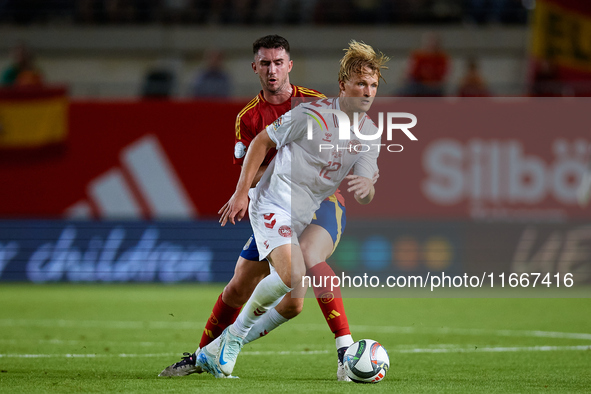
x=253 y=12
x=201 y=48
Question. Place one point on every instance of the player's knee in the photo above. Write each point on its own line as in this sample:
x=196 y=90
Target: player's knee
x=315 y=252
x=291 y=275
x=312 y=257
x=291 y=308
x=236 y=295
x=297 y=273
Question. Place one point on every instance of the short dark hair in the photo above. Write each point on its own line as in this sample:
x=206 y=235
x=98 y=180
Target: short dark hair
x=270 y=42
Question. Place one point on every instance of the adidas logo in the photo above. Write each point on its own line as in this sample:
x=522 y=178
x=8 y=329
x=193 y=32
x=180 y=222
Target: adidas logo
x=333 y=314
x=209 y=333
x=145 y=186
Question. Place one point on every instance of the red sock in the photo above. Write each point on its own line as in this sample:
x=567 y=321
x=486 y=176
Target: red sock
x=221 y=317
x=330 y=302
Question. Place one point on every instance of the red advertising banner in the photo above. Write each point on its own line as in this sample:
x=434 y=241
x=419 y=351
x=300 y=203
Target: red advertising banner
x=130 y=160
x=508 y=159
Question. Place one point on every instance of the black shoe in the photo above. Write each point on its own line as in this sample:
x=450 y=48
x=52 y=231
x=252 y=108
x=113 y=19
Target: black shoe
x=184 y=367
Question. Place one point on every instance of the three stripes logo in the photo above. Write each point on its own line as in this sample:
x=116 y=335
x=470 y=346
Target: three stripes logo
x=145 y=186
x=333 y=315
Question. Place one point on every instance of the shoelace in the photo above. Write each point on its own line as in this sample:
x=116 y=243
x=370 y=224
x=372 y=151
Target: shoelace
x=187 y=359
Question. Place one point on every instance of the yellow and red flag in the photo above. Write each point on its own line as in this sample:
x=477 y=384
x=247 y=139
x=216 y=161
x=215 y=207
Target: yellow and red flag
x=561 y=37
x=33 y=118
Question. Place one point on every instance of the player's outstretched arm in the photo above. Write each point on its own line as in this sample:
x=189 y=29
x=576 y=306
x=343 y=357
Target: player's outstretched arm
x=236 y=207
x=362 y=187
x=258 y=176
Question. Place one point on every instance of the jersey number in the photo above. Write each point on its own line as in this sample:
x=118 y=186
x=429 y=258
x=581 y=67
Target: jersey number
x=330 y=167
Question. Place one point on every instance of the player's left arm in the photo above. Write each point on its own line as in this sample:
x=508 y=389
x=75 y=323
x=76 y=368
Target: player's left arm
x=362 y=187
x=365 y=175
x=236 y=207
x=258 y=175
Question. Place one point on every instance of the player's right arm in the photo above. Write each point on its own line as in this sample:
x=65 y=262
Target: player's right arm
x=362 y=187
x=258 y=175
x=365 y=174
x=245 y=132
x=236 y=207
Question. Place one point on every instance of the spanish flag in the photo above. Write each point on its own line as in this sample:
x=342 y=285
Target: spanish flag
x=32 y=117
x=561 y=37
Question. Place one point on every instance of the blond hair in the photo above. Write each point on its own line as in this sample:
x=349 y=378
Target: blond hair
x=358 y=56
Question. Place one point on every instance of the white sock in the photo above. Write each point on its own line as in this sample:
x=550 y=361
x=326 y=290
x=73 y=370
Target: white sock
x=214 y=346
x=344 y=341
x=267 y=323
x=267 y=294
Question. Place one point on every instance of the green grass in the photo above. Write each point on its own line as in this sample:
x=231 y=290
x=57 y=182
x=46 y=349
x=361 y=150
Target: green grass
x=435 y=345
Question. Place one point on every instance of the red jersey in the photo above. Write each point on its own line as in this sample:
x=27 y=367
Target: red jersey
x=257 y=115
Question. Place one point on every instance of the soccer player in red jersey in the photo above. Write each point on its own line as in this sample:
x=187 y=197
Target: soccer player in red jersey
x=272 y=64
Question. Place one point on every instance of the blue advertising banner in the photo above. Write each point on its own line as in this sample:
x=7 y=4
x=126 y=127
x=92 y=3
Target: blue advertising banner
x=400 y=247
x=202 y=251
x=125 y=251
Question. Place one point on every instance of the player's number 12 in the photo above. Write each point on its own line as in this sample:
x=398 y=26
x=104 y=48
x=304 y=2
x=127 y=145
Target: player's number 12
x=330 y=167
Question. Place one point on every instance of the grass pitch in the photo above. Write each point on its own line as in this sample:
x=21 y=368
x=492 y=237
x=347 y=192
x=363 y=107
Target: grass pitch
x=75 y=338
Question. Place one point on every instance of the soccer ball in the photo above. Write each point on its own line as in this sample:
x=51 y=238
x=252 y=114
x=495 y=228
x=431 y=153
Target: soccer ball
x=366 y=361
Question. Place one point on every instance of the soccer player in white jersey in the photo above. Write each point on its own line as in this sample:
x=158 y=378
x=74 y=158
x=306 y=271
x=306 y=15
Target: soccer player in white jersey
x=295 y=183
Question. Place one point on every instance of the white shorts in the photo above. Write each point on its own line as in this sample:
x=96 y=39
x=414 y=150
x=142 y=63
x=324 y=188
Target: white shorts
x=274 y=229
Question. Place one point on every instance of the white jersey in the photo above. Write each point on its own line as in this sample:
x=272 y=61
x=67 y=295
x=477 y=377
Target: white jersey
x=305 y=172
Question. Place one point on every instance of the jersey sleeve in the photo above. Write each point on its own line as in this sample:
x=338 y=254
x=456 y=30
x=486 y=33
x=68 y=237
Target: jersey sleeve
x=288 y=127
x=242 y=138
x=367 y=164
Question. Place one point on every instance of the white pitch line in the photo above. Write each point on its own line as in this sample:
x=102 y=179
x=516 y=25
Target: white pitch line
x=108 y=324
x=88 y=355
x=75 y=342
x=147 y=325
x=460 y=331
x=123 y=355
x=285 y=352
x=500 y=349
x=316 y=352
